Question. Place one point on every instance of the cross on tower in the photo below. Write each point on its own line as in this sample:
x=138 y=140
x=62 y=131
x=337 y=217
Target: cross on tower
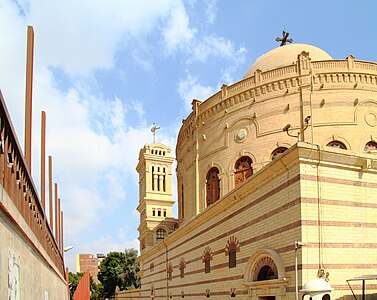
x=284 y=39
x=154 y=128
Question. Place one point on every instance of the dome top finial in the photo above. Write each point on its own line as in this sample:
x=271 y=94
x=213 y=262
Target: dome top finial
x=284 y=40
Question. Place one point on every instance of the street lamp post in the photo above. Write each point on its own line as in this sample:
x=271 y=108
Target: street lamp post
x=66 y=249
x=297 y=246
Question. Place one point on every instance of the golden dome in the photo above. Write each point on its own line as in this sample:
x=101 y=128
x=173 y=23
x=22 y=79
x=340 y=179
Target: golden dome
x=285 y=56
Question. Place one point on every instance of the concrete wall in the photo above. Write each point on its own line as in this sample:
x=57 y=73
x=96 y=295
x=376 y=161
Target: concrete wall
x=23 y=261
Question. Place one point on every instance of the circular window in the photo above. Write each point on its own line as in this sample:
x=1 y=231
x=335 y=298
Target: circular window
x=241 y=135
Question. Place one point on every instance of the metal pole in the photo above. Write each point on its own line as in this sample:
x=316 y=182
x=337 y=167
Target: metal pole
x=43 y=160
x=297 y=246
x=28 y=95
x=296 y=272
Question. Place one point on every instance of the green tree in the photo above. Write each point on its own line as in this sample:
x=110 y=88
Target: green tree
x=119 y=269
x=96 y=290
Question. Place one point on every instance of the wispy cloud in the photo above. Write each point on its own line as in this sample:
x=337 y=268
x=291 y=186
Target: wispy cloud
x=177 y=33
x=211 y=11
x=189 y=89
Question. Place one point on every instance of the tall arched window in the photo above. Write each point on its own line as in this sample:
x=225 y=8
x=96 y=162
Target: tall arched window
x=337 y=144
x=243 y=169
x=277 y=152
x=370 y=146
x=206 y=258
x=159 y=179
x=170 y=271
x=231 y=249
x=182 y=202
x=182 y=266
x=213 y=186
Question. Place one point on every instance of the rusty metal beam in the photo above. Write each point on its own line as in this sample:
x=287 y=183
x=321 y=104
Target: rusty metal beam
x=28 y=95
x=43 y=160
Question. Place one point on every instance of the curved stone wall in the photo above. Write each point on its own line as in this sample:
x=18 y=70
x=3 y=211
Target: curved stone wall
x=247 y=118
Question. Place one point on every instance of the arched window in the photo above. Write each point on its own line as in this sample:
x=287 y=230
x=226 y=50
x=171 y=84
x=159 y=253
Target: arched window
x=232 y=259
x=207 y=266
x=370 y=146
x=265 y=269
x=243 y=169
x=231 y=249
x=277 y=152
x=158 y=179
x=182 y=266
x=266 y=273
x=206 y=258
x=337 y=144
x=182 y=202
x=160 y=234
x=170 y=271
x=213 y=186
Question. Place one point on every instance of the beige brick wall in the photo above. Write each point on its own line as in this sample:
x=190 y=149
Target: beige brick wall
x=272 y=216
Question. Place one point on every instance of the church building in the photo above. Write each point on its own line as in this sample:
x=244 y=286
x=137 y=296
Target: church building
x=277 y=186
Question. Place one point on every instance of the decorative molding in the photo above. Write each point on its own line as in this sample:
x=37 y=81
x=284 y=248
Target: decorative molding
x=232 y=245
x=182 y=263
x=207 y=254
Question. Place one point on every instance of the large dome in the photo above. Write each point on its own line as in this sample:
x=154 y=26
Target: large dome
x=285 y=56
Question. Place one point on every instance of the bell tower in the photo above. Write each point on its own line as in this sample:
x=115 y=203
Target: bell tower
x=155 y=195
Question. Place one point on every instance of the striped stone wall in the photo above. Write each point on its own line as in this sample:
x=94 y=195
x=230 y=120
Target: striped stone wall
x=324 y=197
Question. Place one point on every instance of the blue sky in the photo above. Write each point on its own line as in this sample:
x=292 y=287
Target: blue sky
x=104 y=71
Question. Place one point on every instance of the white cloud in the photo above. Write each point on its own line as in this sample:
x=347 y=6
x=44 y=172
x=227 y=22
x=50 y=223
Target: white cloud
x=81 y=44
x=144 y=62
x=211 y=11
x=178 y=33
x=190 y=89
x=217 y=47
x=82 y=213
x=12 y=60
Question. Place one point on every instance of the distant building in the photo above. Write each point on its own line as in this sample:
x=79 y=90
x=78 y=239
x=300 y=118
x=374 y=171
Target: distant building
x=100 y=257
x=253 y=197
x=90 y=263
